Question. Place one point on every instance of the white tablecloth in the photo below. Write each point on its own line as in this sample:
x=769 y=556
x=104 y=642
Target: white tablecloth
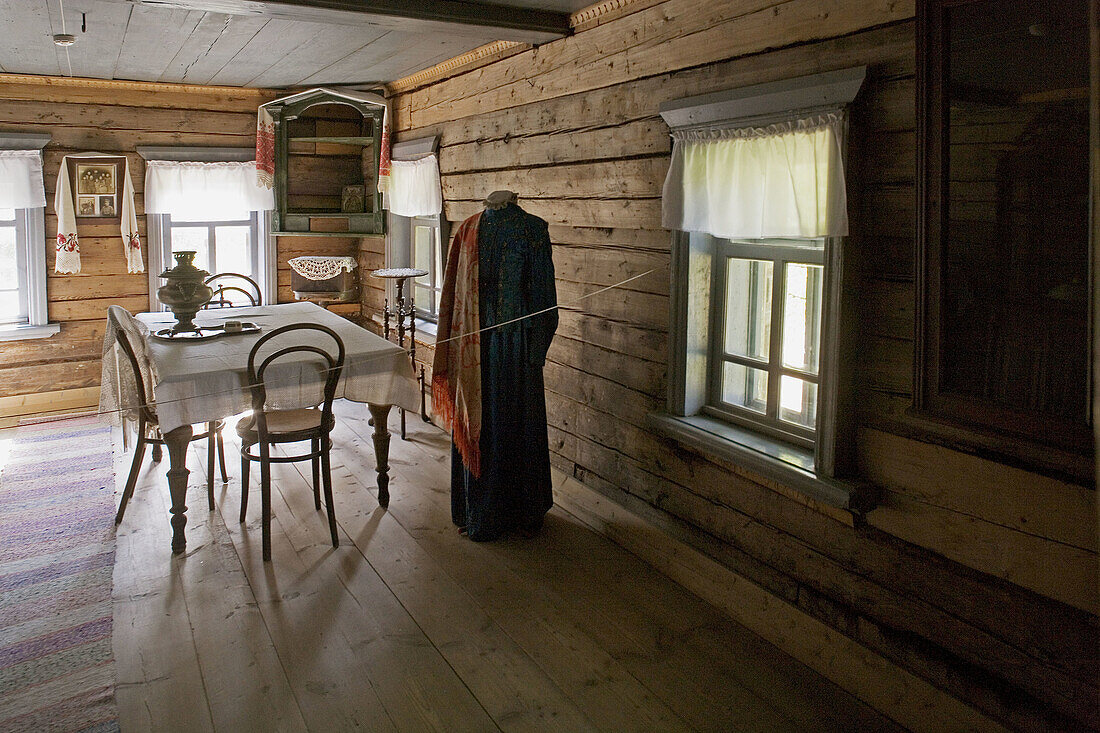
x=207 y=380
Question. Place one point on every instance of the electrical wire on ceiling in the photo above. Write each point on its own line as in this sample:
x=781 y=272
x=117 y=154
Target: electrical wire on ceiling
x=64 y=39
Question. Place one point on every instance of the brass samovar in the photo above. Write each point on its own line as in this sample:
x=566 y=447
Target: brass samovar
x=186 y=291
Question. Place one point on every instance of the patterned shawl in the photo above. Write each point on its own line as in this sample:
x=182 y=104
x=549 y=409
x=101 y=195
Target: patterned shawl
x=456 y=371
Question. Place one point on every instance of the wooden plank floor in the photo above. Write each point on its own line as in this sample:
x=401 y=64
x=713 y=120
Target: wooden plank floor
x=409 y=626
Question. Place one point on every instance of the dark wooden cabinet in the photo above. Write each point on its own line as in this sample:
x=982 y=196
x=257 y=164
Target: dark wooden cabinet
x=327 y=151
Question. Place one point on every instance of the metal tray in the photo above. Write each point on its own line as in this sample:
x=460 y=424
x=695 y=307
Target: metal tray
x=204 y=333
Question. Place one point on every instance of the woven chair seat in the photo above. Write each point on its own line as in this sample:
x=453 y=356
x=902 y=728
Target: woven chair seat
x=285 y=422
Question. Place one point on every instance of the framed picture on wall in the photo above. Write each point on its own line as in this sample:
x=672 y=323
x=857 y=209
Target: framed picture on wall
x=96 y=186
x=352 y=199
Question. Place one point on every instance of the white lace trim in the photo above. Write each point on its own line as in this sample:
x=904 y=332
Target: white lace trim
x=322 y=268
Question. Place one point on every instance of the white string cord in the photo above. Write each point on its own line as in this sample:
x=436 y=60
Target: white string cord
x=68 y=58
x=547 y=310
x=233 y=390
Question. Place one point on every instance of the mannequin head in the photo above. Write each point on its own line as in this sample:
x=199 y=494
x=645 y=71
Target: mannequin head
x=500 y=199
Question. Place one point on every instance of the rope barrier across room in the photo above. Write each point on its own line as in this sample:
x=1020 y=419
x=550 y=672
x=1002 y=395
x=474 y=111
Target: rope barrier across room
x=130 y=408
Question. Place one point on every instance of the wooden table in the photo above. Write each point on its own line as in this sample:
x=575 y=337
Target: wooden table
x=202 y=381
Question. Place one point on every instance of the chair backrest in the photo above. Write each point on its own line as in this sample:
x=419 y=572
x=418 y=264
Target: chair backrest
x=128 y=336
x=232 y=289
x=333 y=365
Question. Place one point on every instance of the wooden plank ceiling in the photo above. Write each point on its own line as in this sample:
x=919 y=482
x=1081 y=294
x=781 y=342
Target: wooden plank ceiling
x=279 y=43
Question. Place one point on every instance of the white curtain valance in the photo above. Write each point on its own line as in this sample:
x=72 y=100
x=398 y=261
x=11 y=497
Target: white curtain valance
x=204 y=191
x=21 y=184
x=415 y=188
x=783 y=180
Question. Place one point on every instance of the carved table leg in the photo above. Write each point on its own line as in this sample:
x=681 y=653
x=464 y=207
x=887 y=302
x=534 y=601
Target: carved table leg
x=177 y=442
x=380 y=415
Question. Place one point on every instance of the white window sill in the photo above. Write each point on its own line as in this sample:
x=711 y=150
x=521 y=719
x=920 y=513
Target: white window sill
x=425 y=330
x=788 y=465
x=26 y=331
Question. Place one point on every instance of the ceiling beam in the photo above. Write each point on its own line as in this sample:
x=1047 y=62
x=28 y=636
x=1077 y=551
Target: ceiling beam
x=479 y=19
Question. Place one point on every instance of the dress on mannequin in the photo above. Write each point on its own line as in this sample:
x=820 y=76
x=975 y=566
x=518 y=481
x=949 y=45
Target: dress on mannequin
x=506 y=485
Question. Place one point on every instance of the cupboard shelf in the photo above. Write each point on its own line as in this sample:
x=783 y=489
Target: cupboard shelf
x=318 y=183
x=338 y=140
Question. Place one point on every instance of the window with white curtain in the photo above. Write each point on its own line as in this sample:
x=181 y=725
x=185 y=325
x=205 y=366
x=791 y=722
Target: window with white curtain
x=755 y=196
x=22 y=238
x=214 y=209
x=416 y=229
x=762 y=200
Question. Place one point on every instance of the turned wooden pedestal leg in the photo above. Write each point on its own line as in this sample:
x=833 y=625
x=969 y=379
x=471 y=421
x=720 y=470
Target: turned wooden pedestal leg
x=177 y=441
x=380 y=415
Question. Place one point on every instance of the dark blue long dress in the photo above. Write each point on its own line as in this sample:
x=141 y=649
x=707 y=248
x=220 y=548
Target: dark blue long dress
x=516 y=278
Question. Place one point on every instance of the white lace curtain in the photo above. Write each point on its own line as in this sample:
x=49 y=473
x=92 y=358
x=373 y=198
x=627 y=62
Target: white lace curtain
x=784 y=180
x=415 y=188
x=21 y=184
x=204 y=191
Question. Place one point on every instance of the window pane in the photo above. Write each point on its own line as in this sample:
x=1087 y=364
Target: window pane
x=422 y=248
x=7 y=214
x=439 y=272
x=192 y=239
x=744 y=386
x=798 y=401
x=748 y=307
x=11 y=307
x=9 y=262
x=802 y=317
x=233 y=251
x=422 y=295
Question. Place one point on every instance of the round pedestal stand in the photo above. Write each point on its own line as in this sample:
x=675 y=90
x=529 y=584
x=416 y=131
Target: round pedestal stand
x=403 y=310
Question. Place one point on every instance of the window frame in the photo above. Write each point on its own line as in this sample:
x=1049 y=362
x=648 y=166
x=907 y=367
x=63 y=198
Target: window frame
x=31 y=246
x=160 y=239
x=159 y=249
x=18 y=225
x=780 y=255
x=434 y=279
x=816 y=471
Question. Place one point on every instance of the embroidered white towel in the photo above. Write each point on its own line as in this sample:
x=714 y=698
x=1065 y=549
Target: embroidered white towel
x=68 y=248
x=265 y=149
x=68 y=245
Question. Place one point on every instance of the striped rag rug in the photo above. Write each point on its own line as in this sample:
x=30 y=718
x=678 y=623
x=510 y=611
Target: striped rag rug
x=57 y=552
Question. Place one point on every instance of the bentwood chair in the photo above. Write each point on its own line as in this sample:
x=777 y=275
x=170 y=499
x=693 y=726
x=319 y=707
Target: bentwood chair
x=269 y=427
x=232 y=289
x=148 y=432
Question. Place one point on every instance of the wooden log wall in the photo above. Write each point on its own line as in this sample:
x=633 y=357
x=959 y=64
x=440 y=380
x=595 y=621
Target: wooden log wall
x=113 y=118
x=977 y=576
